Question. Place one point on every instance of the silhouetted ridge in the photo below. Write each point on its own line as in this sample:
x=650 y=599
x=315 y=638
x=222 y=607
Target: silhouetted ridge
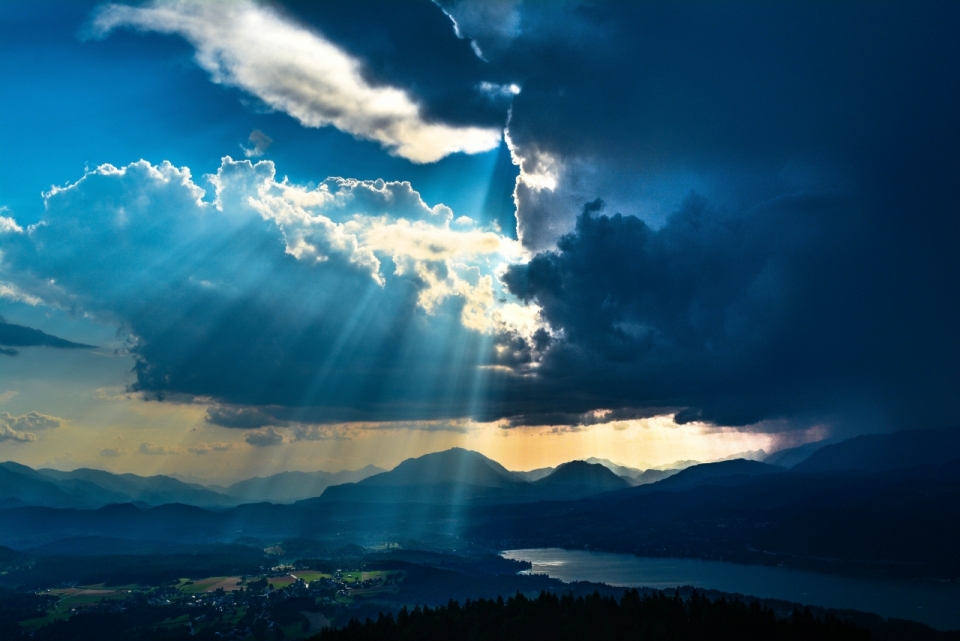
x=720 y=473
x=88 y=488
x=582 y=475
x=792 y=456
x=459 y=476
x=883 y=452
x=455 y=465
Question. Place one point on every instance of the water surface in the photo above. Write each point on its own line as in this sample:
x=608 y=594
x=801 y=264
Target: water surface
x=936 y=604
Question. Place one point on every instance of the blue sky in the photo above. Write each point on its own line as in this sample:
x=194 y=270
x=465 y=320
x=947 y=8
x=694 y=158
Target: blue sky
x=331 y=234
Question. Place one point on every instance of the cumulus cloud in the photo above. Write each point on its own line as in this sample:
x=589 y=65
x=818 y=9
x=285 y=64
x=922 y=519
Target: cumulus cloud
x=328 y=297
x=9 y=434
x=299 y=72
x=152 y=449
x=732 y=318
x=264 y=438
x=29 y=422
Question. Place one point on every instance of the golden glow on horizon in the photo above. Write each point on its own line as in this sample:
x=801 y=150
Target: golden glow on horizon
x=122 y=433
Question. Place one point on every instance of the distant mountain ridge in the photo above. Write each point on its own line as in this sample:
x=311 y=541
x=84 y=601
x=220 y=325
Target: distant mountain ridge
x=152 y=490
x=459 y=476
x=619 y=470
x=462 y=476
x=86 y=488
x=289 y=487
x=642 y=477
x=886 y=452
x=794 y=455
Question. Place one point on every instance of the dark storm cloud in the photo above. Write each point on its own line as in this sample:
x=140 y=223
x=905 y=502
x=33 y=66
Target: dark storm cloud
x=13 y=336
x=240 y=417
x=584 y=419
x=410 y=44
x=806 y=306
x=264 y=438
x=812 y=278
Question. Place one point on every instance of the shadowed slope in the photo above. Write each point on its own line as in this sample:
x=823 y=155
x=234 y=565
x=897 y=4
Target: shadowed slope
x=882 y=452
x=580 y=478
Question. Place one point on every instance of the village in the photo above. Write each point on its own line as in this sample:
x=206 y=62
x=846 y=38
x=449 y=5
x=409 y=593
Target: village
x=284 y=602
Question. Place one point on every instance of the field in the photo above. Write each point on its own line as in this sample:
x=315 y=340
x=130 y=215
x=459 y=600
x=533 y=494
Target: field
x=74 y=598
x=309 y=576
x=210 y=584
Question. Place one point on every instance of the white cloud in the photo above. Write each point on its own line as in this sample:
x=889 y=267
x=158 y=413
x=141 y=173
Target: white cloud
x=14 y=293
x=364 y=220
x=8 y=434
x=29 y=422
x=20 y=429
x=151 y=223
x=299 y=72
x=9 y=225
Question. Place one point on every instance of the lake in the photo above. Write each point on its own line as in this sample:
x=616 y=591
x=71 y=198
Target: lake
x=936 y=604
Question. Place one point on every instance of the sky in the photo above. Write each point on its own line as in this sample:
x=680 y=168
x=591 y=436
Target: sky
x=244 y=237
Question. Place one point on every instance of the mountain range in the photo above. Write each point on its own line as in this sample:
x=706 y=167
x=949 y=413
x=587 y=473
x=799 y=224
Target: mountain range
x=458 y=476
x=882 y=506
x=86 y=488
x=288 y=487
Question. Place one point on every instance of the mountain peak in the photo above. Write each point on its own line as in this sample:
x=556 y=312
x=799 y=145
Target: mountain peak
x=456 y=465
x=581 y=474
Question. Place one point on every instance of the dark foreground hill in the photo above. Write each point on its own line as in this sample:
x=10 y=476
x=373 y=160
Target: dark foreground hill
x=566 y=618
x=902 y=525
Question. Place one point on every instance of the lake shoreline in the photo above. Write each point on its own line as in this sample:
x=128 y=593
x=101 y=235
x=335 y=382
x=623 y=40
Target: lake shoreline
x=931 y=603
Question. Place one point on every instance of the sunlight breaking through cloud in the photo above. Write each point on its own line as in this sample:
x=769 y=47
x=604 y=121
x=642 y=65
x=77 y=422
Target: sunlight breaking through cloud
x=299 y=72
